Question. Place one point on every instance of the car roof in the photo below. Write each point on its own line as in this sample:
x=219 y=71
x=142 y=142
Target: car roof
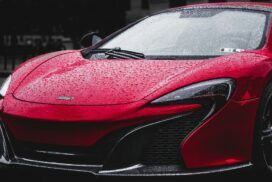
x=240 y=5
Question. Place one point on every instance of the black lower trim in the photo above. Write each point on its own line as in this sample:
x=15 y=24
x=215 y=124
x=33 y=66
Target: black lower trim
x=173 y=170
x=136 y=170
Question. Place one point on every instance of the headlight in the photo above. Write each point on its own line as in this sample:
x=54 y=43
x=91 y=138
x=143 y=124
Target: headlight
x=5 y=86
x=213 y=92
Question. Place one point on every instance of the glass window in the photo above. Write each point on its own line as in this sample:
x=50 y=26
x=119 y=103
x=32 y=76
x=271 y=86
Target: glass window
x=194 y=32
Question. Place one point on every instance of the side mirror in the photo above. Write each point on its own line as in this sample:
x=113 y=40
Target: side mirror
x=90 y=39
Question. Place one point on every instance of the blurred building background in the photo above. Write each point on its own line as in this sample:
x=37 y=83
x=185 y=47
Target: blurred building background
x=32 y=27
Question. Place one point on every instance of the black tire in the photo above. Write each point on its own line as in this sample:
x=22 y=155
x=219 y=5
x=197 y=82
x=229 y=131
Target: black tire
x=262 y=153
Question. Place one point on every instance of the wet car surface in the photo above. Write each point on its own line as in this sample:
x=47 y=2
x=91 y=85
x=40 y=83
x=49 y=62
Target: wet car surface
x=78 y=111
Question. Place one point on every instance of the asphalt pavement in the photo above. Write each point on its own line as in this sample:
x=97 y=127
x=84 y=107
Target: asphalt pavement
x=56 y=176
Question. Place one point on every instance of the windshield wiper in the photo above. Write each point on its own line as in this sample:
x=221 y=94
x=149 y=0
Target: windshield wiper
x=115 y=52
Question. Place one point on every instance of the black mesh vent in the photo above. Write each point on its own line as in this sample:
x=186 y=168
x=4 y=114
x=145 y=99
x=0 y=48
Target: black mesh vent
x=164 y=145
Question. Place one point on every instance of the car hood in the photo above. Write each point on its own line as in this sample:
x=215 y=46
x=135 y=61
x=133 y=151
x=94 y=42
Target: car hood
x=70 y=79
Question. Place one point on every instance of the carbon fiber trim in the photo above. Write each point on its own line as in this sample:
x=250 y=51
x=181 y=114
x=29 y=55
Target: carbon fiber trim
x=139 y=170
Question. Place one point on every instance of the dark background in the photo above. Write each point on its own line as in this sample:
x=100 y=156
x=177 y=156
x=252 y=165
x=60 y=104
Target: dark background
x=33 y=27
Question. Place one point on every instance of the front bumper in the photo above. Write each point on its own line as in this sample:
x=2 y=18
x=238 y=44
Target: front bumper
x=132 y=156
x=10 y=160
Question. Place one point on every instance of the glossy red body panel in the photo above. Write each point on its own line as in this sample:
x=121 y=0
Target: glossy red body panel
x=113 y=94
x=115 y=82
x=231 y=4
x=224 y=139
x=79 y=125
x=120 y=81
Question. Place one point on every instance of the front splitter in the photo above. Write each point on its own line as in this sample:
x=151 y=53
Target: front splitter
x=135 y=170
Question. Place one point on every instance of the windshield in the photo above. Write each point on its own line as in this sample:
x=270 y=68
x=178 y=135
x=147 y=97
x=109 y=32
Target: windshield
x=194 y=32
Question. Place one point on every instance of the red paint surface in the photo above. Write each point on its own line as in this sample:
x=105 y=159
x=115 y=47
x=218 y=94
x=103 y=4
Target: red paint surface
x=82 y=125
x=225 y=139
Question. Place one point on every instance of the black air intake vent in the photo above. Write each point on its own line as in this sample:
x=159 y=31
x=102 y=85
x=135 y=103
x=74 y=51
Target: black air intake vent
x=164 y=146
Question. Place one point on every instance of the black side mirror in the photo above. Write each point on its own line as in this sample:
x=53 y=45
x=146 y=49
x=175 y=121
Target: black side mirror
x=90 y=39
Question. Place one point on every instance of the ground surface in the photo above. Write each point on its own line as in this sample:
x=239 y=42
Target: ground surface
x=16 y=176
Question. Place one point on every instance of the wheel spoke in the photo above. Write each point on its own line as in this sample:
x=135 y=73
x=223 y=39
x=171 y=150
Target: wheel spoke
x=267 y=131
x=267 y=136
x=267 y=139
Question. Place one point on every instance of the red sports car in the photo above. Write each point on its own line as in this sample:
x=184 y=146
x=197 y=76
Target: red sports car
x=181 y=92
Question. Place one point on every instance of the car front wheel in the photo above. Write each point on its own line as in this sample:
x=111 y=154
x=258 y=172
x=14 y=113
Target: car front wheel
x=263 y=134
